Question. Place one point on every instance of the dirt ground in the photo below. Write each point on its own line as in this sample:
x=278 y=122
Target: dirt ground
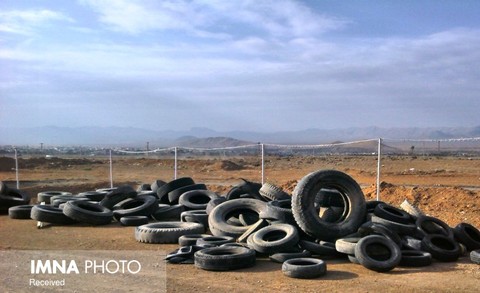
x=444 y=187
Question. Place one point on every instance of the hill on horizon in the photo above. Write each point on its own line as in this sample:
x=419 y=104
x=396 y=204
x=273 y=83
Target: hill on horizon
x=202 y=137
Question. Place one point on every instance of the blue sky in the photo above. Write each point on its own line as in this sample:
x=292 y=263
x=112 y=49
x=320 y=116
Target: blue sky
x=239 y=65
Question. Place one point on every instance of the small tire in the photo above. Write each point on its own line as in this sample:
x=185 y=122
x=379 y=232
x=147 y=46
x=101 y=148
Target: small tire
x=88 y=213
x=214 y=240
x=45 y=196
x=162 y=191
x=304 y=268
x=323 y=248
x=117 y=195
x=217 y=219
x=468 y=235
x=275 y=238
x=197 y=199
x=415 y=258
x=431 y=225
x=347 y=245
x=174 y=195
x=190 y=239
x=391 y=213
x=399 y=228
x=441 y=247
x=139 y=206
x=224 y=258
x=281 y=257
x=21 y=212
x=93 y=195
x=273 y=192
x=378 y=253
x=133 y=220
x=168 y=212
x=166 y=232
x=50 y=214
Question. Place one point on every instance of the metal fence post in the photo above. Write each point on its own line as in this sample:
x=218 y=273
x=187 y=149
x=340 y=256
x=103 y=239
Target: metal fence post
x=111 y=170
x=175 y=166
x=379 y=166
x=263 y=162
x=16 y=168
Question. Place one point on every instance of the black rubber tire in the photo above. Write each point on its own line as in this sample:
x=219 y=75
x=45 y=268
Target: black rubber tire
x=431 y=225
x=195 y=216
x=93 y=195
x=399 y=228
x=245 y=188
x=224 y=258
x=412 y=210
x=215 y=240
x=329 y=198
x=347 y=245
x=323 y=248
x=13 y=197
x=306 y=215
x=411 y=243
x=46 y=195
x=190 y=239
x=21 y=212
x=304 y=268
x=372 y=204
x=475 y=256
x=213 y=203
x=134 y=220
x=279 y=210
x=162 y=191
x=391 y=213
x=415 y=258
x=117 y=195
x=370 y=228
x=468 y=235
x=56 y=201
x=272 y=192
x=174 y=195
x=144 y=187
x=3 y=188
x=168 y=212
x=234 y=193
x=281 y=257
x=378 y=253
x=138 y=206
x=156 y=185
x=217 y=220
x=197 y=199
x=441 y=247
x=50 y=214
x=275 y=238
x=88 y=213
x=166 y=232
x=253 y=228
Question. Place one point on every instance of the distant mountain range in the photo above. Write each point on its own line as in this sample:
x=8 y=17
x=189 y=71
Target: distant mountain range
x=204 y=137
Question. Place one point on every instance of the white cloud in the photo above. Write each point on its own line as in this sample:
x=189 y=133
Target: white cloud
x=281 y=18
x=25 y=21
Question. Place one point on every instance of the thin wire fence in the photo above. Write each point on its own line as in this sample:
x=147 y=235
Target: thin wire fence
x=313 y=157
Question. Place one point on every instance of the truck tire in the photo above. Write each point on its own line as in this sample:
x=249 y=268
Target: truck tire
x=306 y=215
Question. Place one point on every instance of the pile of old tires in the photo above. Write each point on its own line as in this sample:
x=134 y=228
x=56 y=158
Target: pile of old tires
x=326 y=217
